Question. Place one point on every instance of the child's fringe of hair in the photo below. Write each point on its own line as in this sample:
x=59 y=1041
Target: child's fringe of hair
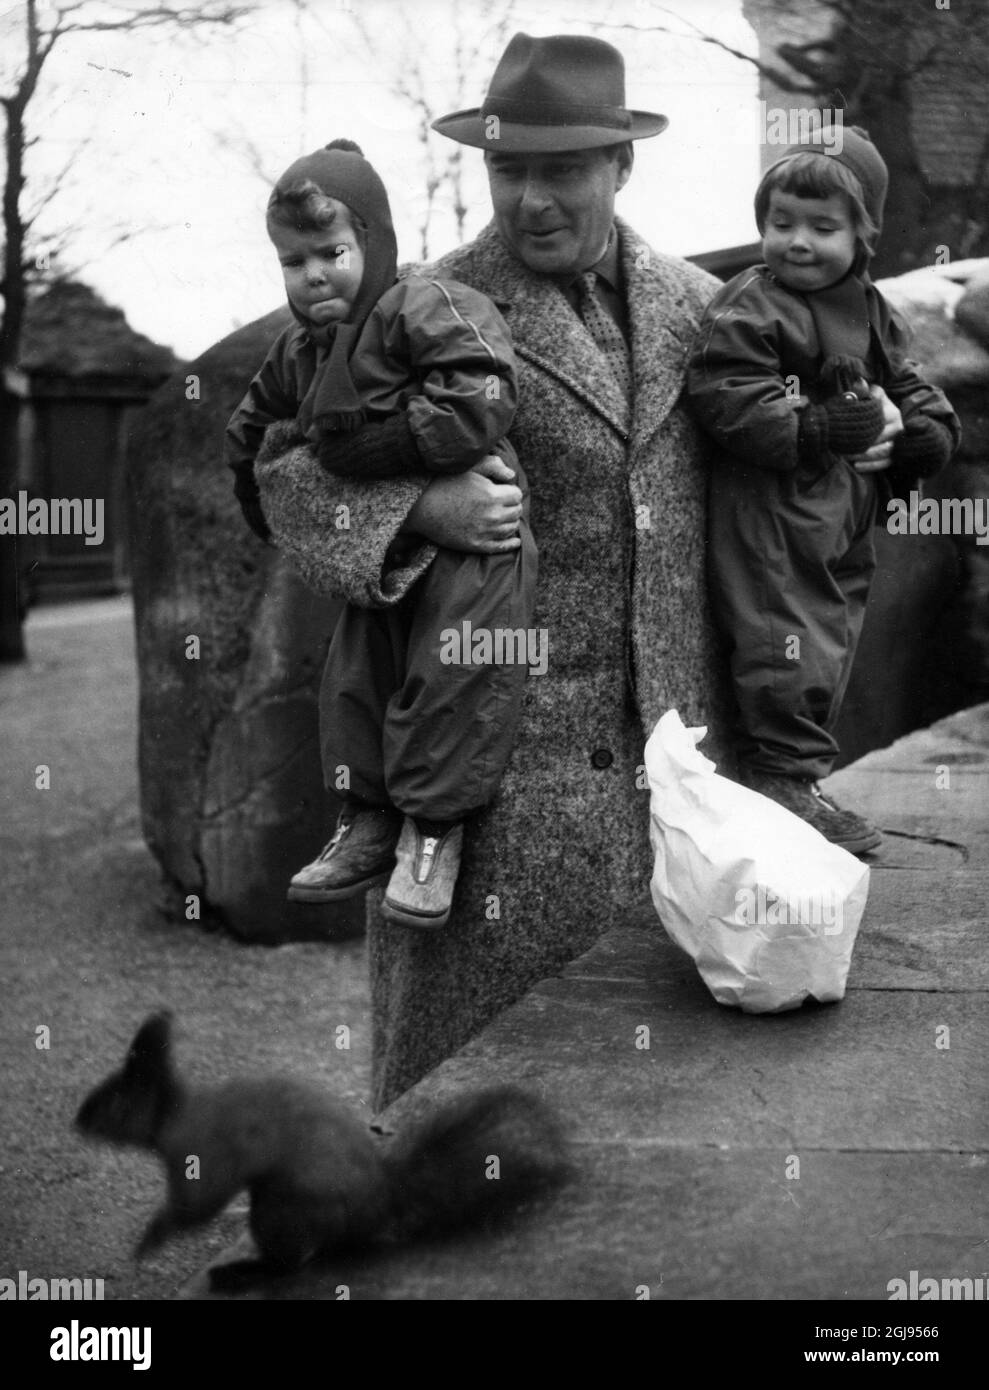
x=304 y=207
x=811 y=175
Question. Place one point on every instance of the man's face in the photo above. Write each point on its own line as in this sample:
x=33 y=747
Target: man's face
x=554 y=211
x=322 y=270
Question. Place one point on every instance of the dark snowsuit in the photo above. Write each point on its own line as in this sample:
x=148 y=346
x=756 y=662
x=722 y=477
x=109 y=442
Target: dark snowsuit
x=410 y=727
x=790 y=555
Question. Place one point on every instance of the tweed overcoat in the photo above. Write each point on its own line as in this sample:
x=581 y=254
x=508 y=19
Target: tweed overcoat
x=618 y=513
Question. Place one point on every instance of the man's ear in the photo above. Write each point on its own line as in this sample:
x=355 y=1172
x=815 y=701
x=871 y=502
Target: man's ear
x=624 y=159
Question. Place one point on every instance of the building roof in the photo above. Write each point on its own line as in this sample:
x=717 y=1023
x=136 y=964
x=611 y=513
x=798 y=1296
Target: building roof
x=70 y=331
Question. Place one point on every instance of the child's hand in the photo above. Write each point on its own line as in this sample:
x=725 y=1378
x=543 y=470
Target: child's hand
x=924 y=448
x=843 y=425
x=247 y=494
x=880 y=455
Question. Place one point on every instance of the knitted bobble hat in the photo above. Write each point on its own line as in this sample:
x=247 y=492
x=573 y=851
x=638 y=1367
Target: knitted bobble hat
x=850 y=146
x=341 y=172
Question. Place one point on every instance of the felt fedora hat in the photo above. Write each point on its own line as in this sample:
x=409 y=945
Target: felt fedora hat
x=558 y=93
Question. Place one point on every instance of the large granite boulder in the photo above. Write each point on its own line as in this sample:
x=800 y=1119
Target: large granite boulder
x=230 y=650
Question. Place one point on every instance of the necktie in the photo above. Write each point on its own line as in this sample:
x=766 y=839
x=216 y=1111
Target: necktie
x=605 y=331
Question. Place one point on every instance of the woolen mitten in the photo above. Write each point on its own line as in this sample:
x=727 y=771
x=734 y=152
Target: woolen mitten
x=924 y=447
x=842 y=425
x=385 y=450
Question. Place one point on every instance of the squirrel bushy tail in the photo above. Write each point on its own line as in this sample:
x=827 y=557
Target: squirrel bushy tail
x=475 y=1157
x=318 y=1179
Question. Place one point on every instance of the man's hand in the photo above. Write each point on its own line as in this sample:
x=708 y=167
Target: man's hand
x=880 y=455
x=477 y=512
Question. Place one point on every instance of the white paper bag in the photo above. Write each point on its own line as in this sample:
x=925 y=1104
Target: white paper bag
x=766 y=907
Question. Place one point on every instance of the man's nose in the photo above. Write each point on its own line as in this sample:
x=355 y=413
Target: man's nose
x=535 y=196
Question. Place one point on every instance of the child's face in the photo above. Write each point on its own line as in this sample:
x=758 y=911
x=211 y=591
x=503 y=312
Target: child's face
x=322 y=270
x=808 y=243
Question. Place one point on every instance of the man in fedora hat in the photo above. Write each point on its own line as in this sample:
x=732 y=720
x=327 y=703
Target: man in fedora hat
x=601 y=325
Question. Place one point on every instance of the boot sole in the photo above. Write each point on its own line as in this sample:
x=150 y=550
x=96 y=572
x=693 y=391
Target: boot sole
x=405 y=917
x=300 y=893
x=865 y=844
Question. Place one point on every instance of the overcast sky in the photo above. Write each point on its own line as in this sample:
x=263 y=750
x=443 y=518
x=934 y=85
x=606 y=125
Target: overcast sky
x=177 y=125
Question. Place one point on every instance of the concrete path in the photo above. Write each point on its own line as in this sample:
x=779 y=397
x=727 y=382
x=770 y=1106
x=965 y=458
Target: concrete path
x=819 y=1154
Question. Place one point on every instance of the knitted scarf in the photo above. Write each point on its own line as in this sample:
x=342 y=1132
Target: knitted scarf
x=842 y=320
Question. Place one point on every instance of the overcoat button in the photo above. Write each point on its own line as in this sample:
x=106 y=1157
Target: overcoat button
x=602 y=757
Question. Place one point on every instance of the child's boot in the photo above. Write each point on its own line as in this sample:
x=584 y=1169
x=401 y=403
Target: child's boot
x=361 y=854
x=420 y=891
x=806 y=800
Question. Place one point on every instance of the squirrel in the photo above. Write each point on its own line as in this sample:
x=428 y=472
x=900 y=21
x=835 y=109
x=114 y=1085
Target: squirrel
x=319 y=1179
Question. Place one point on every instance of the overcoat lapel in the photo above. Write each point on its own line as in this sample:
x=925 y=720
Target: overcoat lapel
x=545 y=329
x=655 y=293
x=549 y=334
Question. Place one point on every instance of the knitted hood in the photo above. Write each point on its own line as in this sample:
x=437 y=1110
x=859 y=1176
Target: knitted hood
x=332 y=401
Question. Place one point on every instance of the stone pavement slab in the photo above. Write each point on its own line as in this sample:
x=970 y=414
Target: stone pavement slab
x=816 y=1154
x=699 y=1225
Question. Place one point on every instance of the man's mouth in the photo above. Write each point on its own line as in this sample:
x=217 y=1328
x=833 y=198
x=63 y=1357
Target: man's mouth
x=540 y=232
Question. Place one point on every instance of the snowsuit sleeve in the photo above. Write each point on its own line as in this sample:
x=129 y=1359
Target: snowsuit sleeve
x=451 y=349
x=735 y=382
x=272 y=395
x=906 y=388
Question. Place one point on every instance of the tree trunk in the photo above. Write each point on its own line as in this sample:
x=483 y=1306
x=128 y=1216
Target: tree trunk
x=11 y=635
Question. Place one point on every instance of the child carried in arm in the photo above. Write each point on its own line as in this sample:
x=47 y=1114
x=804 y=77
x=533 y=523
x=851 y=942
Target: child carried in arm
x=387 y=378
x=799 y=373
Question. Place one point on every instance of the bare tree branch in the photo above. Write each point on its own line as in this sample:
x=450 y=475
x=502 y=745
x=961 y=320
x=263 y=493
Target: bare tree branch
x=42 y=30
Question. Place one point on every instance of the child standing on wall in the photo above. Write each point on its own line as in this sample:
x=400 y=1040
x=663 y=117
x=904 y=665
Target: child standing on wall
x=429 y=364
x=799 y=372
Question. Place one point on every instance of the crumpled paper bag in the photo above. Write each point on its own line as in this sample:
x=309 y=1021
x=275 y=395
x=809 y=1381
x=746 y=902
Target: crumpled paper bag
x=766 y=907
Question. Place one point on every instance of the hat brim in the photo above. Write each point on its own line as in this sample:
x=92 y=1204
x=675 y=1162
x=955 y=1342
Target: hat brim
x=471 y=128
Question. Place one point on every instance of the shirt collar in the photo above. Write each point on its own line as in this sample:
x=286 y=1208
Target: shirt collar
x=608 y=267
